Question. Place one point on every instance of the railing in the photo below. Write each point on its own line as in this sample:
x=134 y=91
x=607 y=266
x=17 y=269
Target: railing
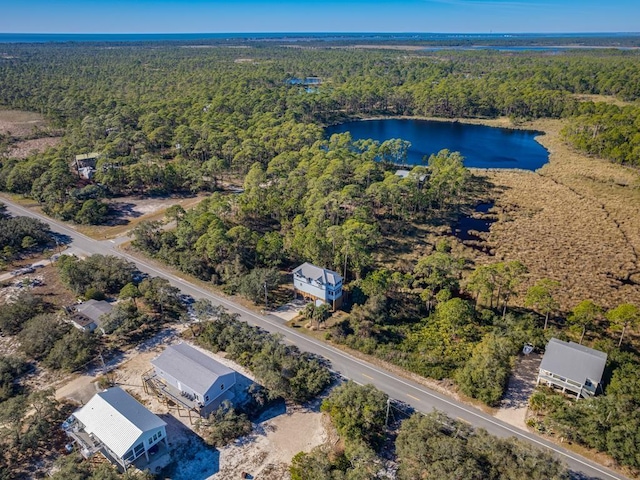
x=570 y=385
x=88 y=444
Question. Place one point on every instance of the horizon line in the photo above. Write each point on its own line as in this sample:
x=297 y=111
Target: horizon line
x=330 y=33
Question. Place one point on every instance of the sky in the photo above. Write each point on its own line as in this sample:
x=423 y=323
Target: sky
x=226 y=16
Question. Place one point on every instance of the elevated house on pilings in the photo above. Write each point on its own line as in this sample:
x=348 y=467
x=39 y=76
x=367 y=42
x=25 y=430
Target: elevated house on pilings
x=190 y=380
x=573 y=368
x=116 y=425
x=318 y=284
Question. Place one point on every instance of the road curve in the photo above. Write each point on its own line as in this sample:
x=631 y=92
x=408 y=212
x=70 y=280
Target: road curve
x=418 y=396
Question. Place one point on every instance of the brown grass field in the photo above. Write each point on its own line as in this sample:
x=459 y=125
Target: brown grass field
x=576 y=220
x=22 y=125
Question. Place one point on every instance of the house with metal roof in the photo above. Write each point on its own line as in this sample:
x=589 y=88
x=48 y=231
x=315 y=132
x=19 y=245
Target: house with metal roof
x=85 y=164
x=189 y=377
x=572 y=367
x=118 y=426
x=318 y=284
x=402 y=173
x=88 y=315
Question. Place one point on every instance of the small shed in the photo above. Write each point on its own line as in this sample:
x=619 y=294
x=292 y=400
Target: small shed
x=572 y=367
x=402 y=173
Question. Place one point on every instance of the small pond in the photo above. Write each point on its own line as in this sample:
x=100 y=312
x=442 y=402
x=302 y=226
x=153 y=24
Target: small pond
x=466 y=226
x=482 y=146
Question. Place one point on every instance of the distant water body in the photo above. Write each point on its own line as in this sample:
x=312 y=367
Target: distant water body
x=288 y=37
x=482 y=146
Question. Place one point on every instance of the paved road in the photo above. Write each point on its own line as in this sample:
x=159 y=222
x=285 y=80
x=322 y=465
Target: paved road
x=416 y=395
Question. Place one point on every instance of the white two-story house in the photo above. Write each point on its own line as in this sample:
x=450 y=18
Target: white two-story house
x=318 y=284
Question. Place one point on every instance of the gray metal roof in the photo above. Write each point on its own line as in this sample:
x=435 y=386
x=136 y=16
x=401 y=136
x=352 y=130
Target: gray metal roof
x=191 y=367
x=87 y=156
x=94 y=309
x=573 y=361
x=117 y=419
x=319 y=274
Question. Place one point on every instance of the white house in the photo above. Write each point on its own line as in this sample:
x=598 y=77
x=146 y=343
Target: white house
x=318 y=284
x=116 y=424
x=195 y=379
x=572 y=367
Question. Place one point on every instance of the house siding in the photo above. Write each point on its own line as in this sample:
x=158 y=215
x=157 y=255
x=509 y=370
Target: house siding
x=312 y=288
x=221 y=386
x=228 y=381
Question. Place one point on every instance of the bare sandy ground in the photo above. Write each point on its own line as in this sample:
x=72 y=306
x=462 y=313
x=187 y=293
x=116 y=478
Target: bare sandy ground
x=265 y=453
x=20 y=123
x=522 y=382
x=27 y=147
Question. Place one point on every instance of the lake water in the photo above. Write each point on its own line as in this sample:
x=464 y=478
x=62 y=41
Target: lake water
x=482 y=146
x=466 y=226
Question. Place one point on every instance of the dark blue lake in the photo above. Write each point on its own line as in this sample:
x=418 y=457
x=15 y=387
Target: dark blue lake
x=482 y=146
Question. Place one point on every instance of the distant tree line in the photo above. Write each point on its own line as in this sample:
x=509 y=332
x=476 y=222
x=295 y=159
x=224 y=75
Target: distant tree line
x=191 y=117
x=607 y=131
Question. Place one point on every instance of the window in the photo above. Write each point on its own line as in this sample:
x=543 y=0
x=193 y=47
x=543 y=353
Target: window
x=138 y=449
x=150 y=441
x=206 y=397
x=159 y=433
x=222 y=386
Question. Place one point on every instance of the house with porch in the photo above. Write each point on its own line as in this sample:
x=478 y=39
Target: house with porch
x=191 y=378
x=572 y=367
x=318 y=284
x=118 y=426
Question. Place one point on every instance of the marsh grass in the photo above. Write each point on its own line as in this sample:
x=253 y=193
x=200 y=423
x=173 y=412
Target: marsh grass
x=576 y=220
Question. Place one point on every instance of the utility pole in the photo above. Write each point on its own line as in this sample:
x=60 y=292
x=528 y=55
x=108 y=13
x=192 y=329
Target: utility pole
x=104 y=367
x=386 y=420
x=265 y=295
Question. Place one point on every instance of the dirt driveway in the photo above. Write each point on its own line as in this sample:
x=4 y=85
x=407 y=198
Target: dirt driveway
x=522 y=382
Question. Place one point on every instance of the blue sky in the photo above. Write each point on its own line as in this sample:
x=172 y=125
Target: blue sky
x=464 y=16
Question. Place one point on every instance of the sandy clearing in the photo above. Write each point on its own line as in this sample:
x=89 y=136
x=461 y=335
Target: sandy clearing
x=20 y=123
x=515 y=403
x=268 y=451
x=27 y=147
x=133 y=210
x=79 y=390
